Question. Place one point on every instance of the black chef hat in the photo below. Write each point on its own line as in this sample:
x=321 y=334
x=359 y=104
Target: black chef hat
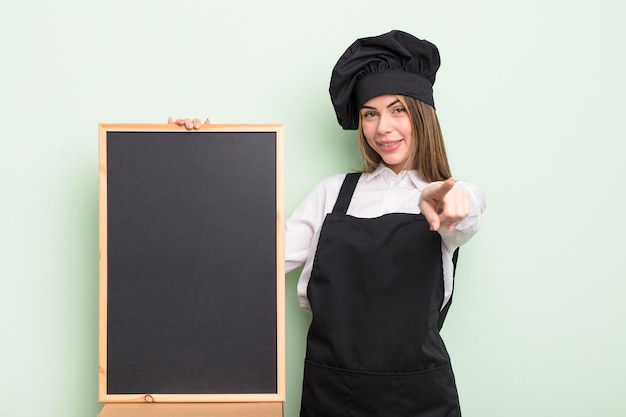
x=393 y=63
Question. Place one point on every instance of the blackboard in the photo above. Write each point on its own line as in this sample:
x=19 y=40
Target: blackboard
x=191 y=263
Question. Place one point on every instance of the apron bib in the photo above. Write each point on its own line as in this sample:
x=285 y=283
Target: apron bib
x=373 y=348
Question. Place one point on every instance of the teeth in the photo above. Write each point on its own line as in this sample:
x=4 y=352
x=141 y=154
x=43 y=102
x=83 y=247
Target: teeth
x=388 y=144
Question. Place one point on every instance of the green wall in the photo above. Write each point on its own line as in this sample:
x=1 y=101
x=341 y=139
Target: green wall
x=531 y=97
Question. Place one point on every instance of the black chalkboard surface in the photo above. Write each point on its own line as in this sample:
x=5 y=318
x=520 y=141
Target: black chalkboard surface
x=191 y=263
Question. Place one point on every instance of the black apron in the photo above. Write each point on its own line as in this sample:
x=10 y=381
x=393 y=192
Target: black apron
x=376 y=290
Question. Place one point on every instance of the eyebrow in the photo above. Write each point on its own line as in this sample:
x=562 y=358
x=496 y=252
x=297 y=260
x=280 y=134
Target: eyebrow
x=389 y=105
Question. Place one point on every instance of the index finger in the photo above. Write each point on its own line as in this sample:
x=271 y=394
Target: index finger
x=445 y=187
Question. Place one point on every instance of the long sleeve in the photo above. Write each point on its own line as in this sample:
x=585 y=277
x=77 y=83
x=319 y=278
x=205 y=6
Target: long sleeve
x=303 y=226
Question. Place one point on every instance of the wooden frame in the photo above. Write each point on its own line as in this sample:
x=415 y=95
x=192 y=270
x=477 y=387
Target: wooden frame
x=163 y=397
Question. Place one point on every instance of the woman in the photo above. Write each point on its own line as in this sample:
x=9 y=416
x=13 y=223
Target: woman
x=379 y=247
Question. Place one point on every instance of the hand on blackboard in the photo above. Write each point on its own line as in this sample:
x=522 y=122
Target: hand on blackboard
x=189 y=124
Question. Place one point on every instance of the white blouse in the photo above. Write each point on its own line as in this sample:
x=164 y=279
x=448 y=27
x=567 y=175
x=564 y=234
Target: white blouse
x=377 y=193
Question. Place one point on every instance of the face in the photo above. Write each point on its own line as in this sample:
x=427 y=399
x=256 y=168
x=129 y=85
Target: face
x=387 y=129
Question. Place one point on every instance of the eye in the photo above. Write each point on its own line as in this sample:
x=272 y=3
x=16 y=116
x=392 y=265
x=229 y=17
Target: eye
x=368 y=114
x=399 y=109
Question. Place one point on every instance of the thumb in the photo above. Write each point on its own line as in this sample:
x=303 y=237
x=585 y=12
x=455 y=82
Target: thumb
x=431 y=201
x=430 y=212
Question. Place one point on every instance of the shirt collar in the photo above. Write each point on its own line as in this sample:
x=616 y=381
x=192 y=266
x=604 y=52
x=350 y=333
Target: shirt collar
x=413 y=175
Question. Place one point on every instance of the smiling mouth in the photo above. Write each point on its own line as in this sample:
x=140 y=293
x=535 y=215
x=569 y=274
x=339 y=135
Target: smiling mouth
x=389 y=144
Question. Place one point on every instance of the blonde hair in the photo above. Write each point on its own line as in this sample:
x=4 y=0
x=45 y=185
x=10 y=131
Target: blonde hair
x=428 y=154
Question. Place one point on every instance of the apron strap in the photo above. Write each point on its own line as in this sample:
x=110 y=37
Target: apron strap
x=345 y=193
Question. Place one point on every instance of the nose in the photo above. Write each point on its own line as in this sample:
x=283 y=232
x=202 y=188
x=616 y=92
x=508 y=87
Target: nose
x=385 y=124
